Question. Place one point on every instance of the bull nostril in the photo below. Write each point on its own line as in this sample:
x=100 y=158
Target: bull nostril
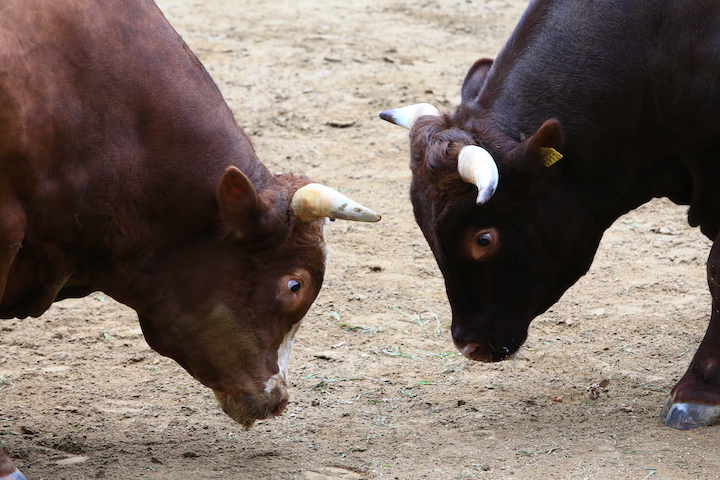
x=475 y=351
x=279 y=408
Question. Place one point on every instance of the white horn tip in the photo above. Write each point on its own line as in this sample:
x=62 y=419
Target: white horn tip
x=358 y=213
x=484 y=196
x=315 y=200
x=406 y=116
x=477 y=166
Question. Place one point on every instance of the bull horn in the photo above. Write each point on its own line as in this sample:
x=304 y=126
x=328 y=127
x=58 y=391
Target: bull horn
x=477 y=166
x=316 y=201
x=406 y=116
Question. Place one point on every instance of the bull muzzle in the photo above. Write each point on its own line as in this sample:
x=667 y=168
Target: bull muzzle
x=246 y=409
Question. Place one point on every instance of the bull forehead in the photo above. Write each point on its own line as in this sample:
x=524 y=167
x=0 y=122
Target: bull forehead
x=439 y=139
x=306 y=249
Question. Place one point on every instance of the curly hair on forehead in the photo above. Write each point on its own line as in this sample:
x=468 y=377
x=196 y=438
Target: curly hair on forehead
x=436 y=143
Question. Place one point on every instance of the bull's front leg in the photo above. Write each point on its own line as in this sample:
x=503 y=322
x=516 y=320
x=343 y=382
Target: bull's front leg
x=7 y=468
x=7 y=255
x=12 y=233
x=695 y=400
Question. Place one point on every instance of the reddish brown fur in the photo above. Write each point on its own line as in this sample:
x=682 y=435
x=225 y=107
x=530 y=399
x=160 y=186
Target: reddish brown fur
x=6 y=465
x=115 y=146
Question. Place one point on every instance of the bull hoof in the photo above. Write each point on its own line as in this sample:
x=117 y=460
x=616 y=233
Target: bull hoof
x=684 y=416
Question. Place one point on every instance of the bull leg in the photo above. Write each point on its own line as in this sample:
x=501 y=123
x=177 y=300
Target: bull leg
x=12 y=232
x=695 y=400
x=10 y=229
x=7 y=255
x=8 y=471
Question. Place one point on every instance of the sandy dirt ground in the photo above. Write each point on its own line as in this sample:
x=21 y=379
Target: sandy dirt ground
x=378 y=390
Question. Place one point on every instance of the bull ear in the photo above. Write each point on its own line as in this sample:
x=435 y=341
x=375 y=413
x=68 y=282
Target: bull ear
x=547 y=143
x=533 y=156
x=241 y=208
x=475 y=79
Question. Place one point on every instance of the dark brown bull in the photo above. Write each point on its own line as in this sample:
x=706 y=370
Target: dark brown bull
x=123 y=170
x=629 y=93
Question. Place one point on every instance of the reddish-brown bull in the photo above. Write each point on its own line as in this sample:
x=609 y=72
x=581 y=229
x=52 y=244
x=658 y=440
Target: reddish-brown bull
x=123 y=170
x=629 y=93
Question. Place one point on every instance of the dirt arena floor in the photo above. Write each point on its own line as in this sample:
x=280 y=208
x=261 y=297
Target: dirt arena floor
x=378 y=390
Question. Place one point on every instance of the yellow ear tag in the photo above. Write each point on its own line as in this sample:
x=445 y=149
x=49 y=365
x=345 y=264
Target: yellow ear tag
x=549 y=156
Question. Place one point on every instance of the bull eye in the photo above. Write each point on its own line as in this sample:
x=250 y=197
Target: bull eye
x=484 y=240
x=483 y=244
x=293 y=286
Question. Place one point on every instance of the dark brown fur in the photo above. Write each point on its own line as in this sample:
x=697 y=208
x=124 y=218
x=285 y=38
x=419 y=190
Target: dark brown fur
x=629 y=93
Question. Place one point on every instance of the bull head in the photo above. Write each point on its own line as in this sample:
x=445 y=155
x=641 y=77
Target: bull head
x=236 y=338
x=475 y=164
